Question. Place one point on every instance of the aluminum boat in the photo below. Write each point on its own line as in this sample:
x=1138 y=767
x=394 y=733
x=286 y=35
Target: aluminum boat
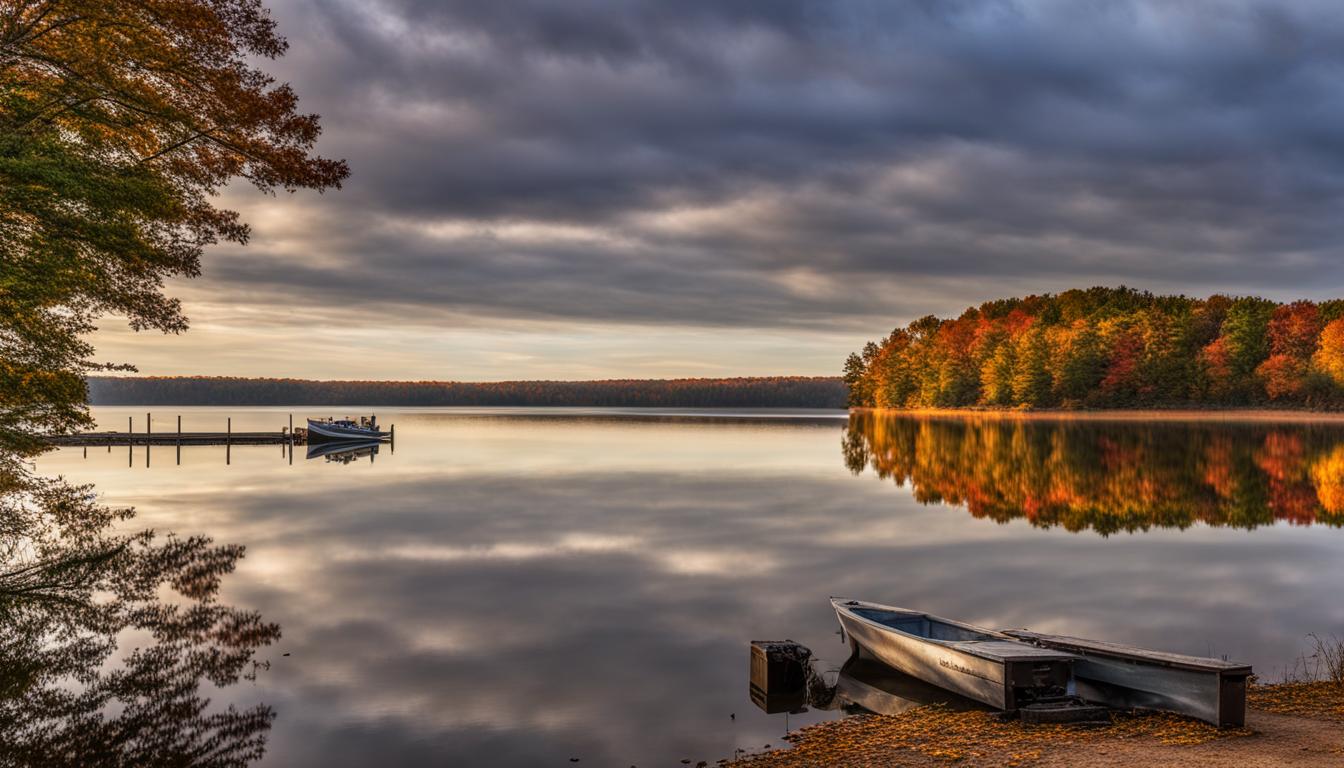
x=980 y=664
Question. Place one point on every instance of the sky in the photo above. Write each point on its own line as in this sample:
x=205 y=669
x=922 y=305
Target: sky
x=578 y=189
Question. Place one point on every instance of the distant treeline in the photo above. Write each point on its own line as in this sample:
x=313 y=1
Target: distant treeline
x=759 y=392
x=1109 y=348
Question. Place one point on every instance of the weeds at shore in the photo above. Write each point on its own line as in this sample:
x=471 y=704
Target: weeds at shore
x=1328 y=654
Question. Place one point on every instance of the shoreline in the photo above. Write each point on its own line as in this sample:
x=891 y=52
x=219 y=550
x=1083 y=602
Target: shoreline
x=1231 y=415
x=1299 y=724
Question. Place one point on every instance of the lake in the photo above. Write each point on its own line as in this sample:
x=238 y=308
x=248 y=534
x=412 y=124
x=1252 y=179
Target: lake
x=524 y=586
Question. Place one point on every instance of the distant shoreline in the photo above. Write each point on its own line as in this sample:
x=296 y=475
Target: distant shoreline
x=1118 y=414
x=741 y=392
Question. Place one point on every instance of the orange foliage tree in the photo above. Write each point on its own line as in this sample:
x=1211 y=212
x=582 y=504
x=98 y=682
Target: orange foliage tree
x=1109 y=348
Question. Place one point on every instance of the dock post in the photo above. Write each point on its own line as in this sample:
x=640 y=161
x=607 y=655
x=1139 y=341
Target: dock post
x=228 y=443
x=179 y=439
x=130 y=430
x=392 y=437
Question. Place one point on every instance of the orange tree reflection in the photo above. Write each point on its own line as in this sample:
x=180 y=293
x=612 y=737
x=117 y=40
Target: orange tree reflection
x=1108 y=476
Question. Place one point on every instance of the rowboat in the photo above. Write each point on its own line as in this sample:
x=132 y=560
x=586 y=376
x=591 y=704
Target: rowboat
x=1126 y=677
x=980 y=664
x=366 y=428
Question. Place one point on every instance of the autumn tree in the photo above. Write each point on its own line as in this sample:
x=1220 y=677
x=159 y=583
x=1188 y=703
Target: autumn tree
x=996 y=375
x=118 y=124
x=1031 y=371
x=1111 y=347
x=1245 y=335
x=1078 y=363
x=1329 y=354
x=1293 y=332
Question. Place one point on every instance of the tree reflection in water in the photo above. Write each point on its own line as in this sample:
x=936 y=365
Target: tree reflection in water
x=106 y=638
x=1108 y=476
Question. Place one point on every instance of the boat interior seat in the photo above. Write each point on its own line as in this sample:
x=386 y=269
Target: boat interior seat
x=921 y=626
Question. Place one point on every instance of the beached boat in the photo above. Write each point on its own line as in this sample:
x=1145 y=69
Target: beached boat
x=1126 y=677
x=365 y=428
x=980 y=664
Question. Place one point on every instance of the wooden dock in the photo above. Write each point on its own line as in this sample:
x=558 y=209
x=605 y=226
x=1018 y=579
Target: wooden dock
x=285 y=436
x=178 y=438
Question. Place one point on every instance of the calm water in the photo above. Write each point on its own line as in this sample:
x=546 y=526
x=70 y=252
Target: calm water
x=519 y=587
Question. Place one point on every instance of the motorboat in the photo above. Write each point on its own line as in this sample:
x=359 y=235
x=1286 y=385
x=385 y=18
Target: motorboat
x=363 y=428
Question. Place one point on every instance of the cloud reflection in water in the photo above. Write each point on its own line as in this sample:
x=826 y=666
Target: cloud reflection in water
x=515 y=591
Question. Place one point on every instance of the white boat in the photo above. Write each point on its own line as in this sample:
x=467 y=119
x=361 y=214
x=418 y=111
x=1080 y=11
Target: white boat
x=365 y=428
x=980 y=664
x=1125 y=677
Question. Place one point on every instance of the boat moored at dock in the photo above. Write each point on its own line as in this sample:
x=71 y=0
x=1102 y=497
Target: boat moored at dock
x=981 y=664
x=363 y=428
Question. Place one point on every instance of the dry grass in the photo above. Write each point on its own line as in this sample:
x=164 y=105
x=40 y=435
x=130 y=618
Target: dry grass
x=1328 y=655
x=934 y=735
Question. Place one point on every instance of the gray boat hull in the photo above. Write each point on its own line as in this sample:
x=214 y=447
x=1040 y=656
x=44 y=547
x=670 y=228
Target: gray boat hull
x=983 y=666
x=1126 y=677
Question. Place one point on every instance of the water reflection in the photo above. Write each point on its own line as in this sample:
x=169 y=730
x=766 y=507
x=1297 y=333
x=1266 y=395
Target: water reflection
x=1109 y=476
x=785 y=681
x=107 y=639
x=344 y=452
x=515 y=590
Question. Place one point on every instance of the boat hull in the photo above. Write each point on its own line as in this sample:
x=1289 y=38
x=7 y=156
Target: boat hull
x=1126 y=677
x=970 y=676
x=994 y=669
x=318 y=430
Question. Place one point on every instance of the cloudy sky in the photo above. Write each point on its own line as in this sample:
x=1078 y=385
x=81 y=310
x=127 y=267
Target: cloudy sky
x=595 y=188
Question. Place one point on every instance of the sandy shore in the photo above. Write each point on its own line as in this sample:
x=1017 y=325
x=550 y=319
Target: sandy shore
x=1294 y=725
x=1151 y=414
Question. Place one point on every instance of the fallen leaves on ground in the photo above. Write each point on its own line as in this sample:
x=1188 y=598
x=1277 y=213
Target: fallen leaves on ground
x=1320 y=699
x=941 y=735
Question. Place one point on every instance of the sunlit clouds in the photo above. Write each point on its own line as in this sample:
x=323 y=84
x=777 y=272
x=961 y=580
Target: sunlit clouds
x=588 y=189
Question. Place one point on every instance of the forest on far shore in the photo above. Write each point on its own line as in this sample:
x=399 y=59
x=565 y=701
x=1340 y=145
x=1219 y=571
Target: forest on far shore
x=1109 y=348
x=755 y=392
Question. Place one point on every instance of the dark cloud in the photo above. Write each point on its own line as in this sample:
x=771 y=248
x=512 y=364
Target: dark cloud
x=808 y=163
